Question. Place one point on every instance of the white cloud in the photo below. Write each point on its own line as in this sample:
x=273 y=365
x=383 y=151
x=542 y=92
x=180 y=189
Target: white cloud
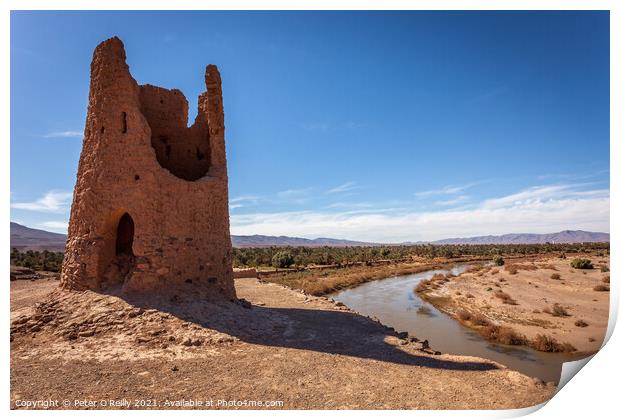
x=534 y=210
x=342 y=204
x=538 y=193
x=243 y=201
x=55 y=225
x=347 y=186
x=51 y=202
x=452 y=201
x=60 y=134
x=447 y=190
x=295 y=195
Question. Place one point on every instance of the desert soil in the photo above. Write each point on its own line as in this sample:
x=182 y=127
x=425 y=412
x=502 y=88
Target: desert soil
x=306 y=351
x=534 y=293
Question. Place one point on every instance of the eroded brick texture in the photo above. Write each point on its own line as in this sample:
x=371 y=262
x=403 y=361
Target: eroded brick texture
x=150 y=206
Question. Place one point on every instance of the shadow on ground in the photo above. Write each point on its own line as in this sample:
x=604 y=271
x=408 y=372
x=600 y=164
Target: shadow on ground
x=328 y=331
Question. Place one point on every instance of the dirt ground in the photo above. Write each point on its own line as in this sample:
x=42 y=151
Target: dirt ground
x=534 y=287
x=78 y=348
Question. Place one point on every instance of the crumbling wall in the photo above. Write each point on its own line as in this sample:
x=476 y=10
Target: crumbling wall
x=175 y=192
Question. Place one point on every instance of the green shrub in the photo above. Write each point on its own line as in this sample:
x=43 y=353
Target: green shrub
x=498 y=260
x=581 y=264
x=37 y=260
x=282 y=259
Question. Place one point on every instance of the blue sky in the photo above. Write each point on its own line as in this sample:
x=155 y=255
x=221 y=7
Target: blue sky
x=381 y=126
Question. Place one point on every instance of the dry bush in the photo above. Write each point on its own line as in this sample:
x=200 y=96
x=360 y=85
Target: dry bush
x=469 y=296
x=601 y=288
x=581 y=323
x=494 y=271
x=503 y=335
x=512 y=270
x=556 y=310
x=473 y=269
x=604 y=269
x=501 y=280
x=539 y=322
x=549 y=267
x=480 y=320
x=525 y=267
x=606 y=279
x=543 y=342
x=422 y=286
x=555 y=276
x=559 y=310
x=463 y=315
x=505 y=297
x=458 y=293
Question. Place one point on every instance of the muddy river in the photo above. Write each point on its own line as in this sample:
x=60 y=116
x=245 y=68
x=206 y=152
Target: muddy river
x=394 y=302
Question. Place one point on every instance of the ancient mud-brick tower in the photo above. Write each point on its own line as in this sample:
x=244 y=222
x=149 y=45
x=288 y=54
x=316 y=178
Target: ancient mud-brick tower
x=150 y=206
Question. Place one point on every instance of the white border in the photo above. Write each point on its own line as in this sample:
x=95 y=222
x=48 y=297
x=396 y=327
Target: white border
x=591 y=395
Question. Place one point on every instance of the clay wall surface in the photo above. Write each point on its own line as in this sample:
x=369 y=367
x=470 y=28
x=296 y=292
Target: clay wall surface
x=177 y=200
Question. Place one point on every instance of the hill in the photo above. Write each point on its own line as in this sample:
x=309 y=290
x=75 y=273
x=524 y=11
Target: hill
x=563 y=237
x=24 y=238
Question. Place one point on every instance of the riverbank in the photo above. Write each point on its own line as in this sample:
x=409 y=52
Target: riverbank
x=541 y=302
x=329 y=280
x=277 y=345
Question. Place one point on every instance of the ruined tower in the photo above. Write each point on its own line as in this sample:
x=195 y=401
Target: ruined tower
x=150 y=205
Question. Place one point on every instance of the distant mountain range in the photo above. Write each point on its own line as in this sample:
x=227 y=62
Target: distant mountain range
x=564 y=237
x=264 y=241
x=25 y=238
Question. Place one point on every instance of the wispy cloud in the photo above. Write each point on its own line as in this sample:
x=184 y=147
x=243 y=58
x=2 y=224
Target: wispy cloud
x=453 y=201
x=346 y=187
x=294 y=193
x=55 y=225
x=535 y=210
x=447 y=190
x=346 y=205
x=539 y=194
x=243 y=201
x=51 y=202
x=64 y=134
